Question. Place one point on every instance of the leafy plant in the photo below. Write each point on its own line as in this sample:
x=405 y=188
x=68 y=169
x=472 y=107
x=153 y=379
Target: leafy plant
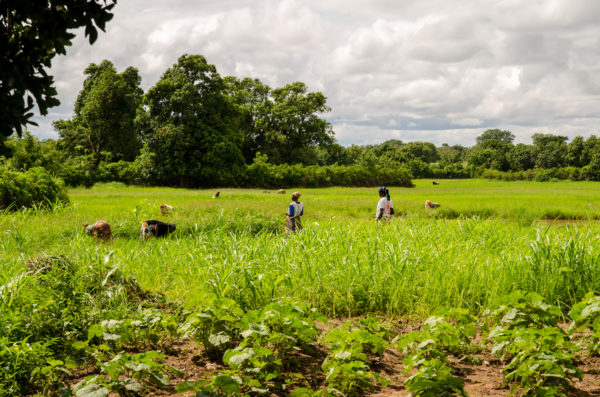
x=347 y=367
x=217 y=386
x=586 y=314
x=523 y=309
x=541 y=361
x=215 y=326
x=434 y=379
x=125 y=374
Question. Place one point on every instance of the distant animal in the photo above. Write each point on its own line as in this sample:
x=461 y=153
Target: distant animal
x=153 y=228
x=281 y=191
x=216 y=195
x=435 y=182
x=165 y=209
x=100 y=230
x=266 y=191
x=430 y=204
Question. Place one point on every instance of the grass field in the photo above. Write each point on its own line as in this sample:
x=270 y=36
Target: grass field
x=343 y=263
x=487 y=241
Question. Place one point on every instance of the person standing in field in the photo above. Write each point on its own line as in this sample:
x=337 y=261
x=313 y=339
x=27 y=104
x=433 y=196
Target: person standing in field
x=385 y=208
x=295 y=211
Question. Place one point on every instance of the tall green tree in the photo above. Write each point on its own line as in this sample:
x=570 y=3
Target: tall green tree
x=190 y=128
x=503 y=136
x=285 y=124
x=491 y=150
x=105 y=111
x=575 y=149
x=550 y=150
x=31 y=34
x=522 y=157
x=254 y=104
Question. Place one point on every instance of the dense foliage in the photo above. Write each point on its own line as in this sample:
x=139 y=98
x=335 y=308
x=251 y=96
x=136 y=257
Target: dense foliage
x=32 y=188
x=194 y=128
x=104 y=116
x=31 y=34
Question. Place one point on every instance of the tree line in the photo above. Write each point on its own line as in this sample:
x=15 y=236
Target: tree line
x=194 y=128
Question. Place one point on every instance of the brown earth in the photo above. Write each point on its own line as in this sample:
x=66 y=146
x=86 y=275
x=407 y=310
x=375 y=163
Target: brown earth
x=480 y=380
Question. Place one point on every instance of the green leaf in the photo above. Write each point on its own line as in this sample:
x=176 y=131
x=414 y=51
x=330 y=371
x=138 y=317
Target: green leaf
x=92 y=390
x=218 y=339
x=227 y=384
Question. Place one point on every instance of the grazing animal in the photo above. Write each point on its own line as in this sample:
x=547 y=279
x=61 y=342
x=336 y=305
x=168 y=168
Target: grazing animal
x=165 y=209
x=435 y=182
x=216 y=195
x=153 y=228
x=266 y=191
x=281 y=191
x=100 y=230
x=430 y=204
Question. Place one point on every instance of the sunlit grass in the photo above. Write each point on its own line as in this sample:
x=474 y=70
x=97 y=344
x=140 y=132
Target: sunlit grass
x=343 y=263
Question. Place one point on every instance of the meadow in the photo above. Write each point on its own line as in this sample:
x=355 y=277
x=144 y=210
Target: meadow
x=488 y=240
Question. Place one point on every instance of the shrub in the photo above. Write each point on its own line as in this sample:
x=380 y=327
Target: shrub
x=261 y=173
x=32 y=188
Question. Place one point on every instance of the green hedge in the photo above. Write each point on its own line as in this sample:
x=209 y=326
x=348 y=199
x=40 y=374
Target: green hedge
x=586 y=173
x=267 y=175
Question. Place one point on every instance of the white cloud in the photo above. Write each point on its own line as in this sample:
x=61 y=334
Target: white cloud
x=440 y=70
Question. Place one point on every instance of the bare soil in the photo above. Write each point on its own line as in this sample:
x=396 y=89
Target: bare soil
x=480 y=380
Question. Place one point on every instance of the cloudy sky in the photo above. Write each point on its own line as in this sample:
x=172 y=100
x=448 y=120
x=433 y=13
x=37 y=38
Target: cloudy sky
x=432 y=70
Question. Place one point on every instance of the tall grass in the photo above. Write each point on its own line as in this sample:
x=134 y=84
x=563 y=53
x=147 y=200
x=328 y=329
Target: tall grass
x=341 y=265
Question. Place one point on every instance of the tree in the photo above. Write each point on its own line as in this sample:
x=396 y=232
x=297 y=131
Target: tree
x=451 y=154
x=522 y=157
x=491 y=150
x=105 y=111
x=495 y=135
x=31 y=34
x=27 y=152
x=190 y=127
x=550 y=150
x=296 y=124
x=282 y=123
x=591 y=146
x=252 y=99
x=423 y=151
x=575 y=150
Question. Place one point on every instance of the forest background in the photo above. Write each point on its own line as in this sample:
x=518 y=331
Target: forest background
x=194 y=128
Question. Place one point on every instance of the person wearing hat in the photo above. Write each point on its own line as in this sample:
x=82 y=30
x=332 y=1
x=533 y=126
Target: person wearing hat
x=295 y=211
x=385 y=208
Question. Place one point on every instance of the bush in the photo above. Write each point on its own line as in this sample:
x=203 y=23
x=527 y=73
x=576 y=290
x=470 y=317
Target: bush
x=35 y=187
x=261 y=173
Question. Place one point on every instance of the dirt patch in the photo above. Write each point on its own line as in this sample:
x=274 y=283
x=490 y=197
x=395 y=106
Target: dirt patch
x=480 y=380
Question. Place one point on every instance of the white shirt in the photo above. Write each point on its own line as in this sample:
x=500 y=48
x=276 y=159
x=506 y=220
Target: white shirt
x=386 y=205
x=296 y=209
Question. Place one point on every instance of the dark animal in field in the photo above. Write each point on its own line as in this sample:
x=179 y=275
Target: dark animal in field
x=435 y=182
x=281 y=191
x=153 y=228
x=100 y=230
x=266 y=191
x=216 y=195
x=165 y=209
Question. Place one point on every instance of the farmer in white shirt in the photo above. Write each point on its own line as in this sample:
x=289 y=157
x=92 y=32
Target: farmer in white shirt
x=385 y=208
x=292 y=219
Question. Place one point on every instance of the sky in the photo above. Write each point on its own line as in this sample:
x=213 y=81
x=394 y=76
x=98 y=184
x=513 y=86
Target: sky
x=441 y=71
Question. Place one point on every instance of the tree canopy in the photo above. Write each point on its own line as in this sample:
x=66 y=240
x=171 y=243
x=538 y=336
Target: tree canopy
x=105 y=111
x=190 y=127
x=31 y=34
